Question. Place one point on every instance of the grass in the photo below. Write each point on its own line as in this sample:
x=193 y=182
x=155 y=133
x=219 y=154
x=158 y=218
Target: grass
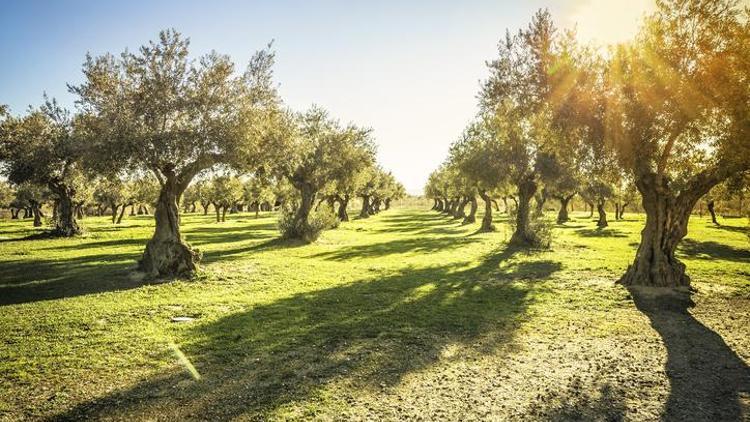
x=401 y=316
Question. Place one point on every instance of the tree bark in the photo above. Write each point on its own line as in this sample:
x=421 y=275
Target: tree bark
x=602 y=221
x=523 y=235
x=622 y=210
x=365 y=212
x=487 y=219
x=667 y=217
x=224 y=213
x=387 y=203
x=122 y=212
x=711 y=209
x=37 y=215
x=166 y=253
x=562 y=215
x=472 y=217
x=343 y=203
x=301 y=222
x=439 y=207
x=65 y=223
x=459 y=213
x=205 y=206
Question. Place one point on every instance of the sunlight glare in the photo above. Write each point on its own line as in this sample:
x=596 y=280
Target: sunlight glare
x=605 y=22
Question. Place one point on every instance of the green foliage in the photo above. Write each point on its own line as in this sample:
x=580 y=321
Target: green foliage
x=541 y=229
x=308 y=231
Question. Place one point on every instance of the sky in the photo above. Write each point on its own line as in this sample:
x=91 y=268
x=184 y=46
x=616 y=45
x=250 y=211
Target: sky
x=410 y=70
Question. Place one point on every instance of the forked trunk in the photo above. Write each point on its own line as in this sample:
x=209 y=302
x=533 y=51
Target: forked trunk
x=459 y=212
x=487 y=219
x=602 y=221
x=166 y=253
x=439 y=207
x=205 y=207
x=65 y=221
x=523 y=234
x=667 y=218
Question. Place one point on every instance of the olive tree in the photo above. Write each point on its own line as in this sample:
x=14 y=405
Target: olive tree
x=679 y=121
x=158 y=110
x=43 y=147
x=324 y=152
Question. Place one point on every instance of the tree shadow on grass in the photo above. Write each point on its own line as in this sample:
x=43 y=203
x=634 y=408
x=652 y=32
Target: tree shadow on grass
x=23 y=281
x=401 y=246
x=713 y=250
x=601 y=232
x=706 y=376
x=575 y=403
x=363 y=337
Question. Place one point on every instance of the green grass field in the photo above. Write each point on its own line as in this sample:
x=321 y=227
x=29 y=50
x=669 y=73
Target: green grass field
x=405 y=315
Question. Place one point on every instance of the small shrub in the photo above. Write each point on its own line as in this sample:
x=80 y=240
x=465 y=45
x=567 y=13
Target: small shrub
x=541 y=229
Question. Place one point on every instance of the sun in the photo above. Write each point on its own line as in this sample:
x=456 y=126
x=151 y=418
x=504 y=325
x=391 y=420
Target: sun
x=605 y=22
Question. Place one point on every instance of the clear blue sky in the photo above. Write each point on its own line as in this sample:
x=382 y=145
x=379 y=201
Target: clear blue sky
x=408 y=69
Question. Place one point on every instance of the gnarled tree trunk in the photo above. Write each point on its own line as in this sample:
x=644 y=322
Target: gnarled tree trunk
x=35 y=209
x=166 y=253
x=523 y=235
x=472 y=217
x=365 y=212
x=343 y=203
x=602 y=221
x=65 y=221
x=667 y=216
x=562 y=215
x=487 y=219
x=459 y=213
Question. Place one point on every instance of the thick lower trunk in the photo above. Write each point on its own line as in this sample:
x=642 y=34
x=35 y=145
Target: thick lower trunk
x=472 y=217
x=217 y=209
x=343 y=204
x=562 y=215
x=523 y=234
x=205 y=207
x=37 y=215
x=388 y=203
x=617 y=210
x=365 y=212
x=132 y=210
x=14 y=213
x=487 y=219
x=712 y=210
x=301 y=222
x=224 y=213
x=667 y=218
x=622 y=210
x=166 y=253
x=65 y=223
x=602 y=221
x=459 y=212
x=540 y=201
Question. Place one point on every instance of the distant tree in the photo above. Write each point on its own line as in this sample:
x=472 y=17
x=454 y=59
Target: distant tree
x=257 y=191
x=43 y=147
x=157 y=110
x=325 y=152
x=7 y=194
x=114 y=194
x=224 y=192
x=678 y=119
x=29 y=198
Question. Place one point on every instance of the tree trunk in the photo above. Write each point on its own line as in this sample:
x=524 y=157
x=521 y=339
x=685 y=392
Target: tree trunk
x=205 y=207
x=602 y=222
x=617 y=210
x=343 y=203
x=562 y=215
x=440 y=206
x=591 y=209
x=622 y=210
x=365 y=212
x=224 y=213
x=487 y=219
x=37 y=215
x=387 y=203
x=540 y=200
x=65 y=223
x=122 y=212
x=14 y=213
x=712 y=210
x=217 y=209
x=166 y=253
x=132 y=210
x=459 y=213
x=667 y=219
x=523 y=235
x=301 y=222
x=114 y=212
x=472 y=217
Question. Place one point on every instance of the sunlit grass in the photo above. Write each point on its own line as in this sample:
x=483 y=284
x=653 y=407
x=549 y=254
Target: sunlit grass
x=375 y=309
